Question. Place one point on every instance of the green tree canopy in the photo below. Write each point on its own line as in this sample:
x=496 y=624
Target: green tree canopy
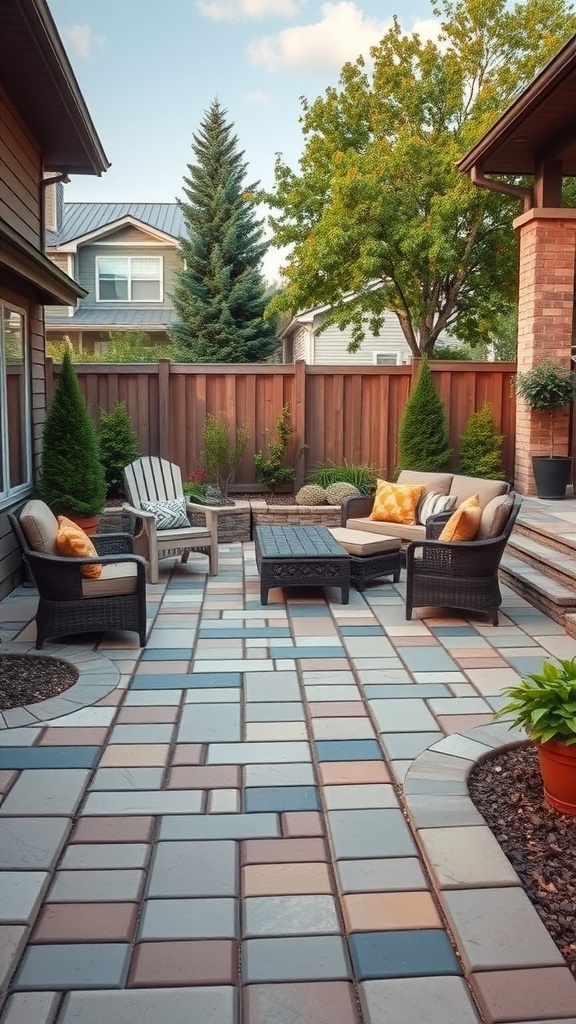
x=219 y=294
x=378 y=217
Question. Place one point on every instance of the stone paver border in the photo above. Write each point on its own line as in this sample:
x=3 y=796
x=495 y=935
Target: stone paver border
x=97 y=677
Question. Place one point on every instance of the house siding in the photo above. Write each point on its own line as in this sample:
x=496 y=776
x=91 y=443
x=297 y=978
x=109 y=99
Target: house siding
x=66 y=263
x=21 y=175
x=299 y=344
x=86 y=273
x=331 y=346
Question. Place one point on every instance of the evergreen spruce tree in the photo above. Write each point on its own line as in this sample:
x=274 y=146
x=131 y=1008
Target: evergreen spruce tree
x=423 y=432
x=219 y=295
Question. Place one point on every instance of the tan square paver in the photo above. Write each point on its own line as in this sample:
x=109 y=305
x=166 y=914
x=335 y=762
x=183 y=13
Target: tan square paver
x=382 y=911
x=285 y=879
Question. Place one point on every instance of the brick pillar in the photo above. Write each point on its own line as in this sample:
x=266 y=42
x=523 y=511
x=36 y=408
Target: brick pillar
x=545 y=313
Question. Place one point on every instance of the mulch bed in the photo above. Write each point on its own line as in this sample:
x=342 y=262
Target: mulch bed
x=539 y=841
x=27 y=680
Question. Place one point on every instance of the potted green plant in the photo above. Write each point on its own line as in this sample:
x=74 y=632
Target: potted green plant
x=548 y=388
x=545 y=704
x=72 y=482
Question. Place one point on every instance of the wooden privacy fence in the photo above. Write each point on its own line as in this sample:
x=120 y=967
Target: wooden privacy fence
x=338 y=412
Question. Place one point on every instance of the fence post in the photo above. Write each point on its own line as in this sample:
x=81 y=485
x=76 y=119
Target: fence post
x=300 y=421
x=164 y=408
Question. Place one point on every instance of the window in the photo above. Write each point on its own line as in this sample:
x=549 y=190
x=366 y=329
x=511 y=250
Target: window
x=129 y=278
x=387 y=358
x=15 y=460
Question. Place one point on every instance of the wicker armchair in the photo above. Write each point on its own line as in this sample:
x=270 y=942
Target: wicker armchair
x=69 y=603
x=460 y=575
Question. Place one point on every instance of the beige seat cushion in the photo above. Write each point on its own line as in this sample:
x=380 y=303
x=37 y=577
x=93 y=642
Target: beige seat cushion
x=466 y=486
x=355 y=542
x=387 y=529
x=117 y=579
x=39 y=526
x=494 y=517
x=438 y=482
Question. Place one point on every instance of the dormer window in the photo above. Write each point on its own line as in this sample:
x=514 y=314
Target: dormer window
x=129 y=279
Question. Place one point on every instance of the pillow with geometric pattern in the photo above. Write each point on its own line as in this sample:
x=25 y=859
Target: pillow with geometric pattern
x=168 y=515
x=432 y=504
x=396 y=503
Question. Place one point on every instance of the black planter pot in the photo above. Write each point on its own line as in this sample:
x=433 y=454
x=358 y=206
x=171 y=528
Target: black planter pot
x=552 y=475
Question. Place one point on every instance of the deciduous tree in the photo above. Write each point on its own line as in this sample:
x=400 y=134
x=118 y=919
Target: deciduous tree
x=378 y=216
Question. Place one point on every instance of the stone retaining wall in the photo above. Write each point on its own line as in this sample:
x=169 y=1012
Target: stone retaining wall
x=294 y=515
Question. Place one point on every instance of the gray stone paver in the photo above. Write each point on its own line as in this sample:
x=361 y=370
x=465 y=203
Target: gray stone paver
x=251 y=710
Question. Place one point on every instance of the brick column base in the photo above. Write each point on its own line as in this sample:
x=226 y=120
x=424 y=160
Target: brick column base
x=545 y=313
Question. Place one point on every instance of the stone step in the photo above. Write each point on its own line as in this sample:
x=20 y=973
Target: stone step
x=547 y=534
x=535 y=551
x=553 y=597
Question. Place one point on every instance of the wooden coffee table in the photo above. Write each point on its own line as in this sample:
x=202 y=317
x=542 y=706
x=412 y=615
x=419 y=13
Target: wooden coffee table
x=300 y=556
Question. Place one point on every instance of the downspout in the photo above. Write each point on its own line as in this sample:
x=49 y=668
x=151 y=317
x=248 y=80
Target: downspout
x=478 y=178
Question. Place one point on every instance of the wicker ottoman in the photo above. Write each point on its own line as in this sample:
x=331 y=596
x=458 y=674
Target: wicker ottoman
x=370 y=555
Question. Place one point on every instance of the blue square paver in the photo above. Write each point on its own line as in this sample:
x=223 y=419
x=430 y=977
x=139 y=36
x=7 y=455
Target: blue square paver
x=167 y=654
x=348 y=750
x=403 y=954
x=190 y=868
x=282 y=798
x=48 y=757
x=305 y=958
x=66 y=966
x=184 y=680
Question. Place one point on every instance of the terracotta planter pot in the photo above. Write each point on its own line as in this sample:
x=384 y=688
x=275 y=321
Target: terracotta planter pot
x=87 y=523
x=558 y=770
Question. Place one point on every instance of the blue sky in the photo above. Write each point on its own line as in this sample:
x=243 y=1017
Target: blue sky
x=149 y=69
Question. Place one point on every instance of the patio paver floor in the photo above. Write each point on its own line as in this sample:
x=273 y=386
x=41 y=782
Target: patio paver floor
x=222 y=839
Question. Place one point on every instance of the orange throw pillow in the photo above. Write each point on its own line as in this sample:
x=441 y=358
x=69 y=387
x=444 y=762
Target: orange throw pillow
x=396 y=503
x=464 y=522
x=74 y=543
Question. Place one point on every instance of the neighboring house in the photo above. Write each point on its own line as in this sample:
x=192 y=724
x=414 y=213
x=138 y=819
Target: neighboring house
x=124 y=256
x=45 y=130
x=301 y=340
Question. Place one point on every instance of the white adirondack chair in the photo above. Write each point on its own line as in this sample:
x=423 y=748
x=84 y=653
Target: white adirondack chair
x=153 y=479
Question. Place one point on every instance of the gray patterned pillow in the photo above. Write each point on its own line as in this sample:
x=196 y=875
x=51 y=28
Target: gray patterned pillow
x=432 y=504
x=169 y=515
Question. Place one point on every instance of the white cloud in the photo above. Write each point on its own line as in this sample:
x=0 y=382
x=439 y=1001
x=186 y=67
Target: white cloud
x=235 y=10
x=82 y=39
x=427 y=29
x=343 y=33
x=259 y=98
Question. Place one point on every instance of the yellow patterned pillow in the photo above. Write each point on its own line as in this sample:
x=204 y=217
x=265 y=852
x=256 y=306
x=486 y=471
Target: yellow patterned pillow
x=74 y=543
x=396 y=503
x=464 y=522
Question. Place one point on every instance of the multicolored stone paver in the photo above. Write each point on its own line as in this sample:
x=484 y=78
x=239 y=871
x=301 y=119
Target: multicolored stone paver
x=263 y=817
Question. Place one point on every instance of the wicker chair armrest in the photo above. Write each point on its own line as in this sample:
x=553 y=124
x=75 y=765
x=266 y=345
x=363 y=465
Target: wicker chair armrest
x=356 y=507
x=455 y=558
x=113 y=543
x=435 y=524
x=59 y=578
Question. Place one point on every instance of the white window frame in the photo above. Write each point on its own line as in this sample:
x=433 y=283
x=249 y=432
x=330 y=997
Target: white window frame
x=130 y=300
x=7 y=493
x=393 y=358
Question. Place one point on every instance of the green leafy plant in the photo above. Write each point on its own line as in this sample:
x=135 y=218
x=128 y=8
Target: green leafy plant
x=481 y=446
x=545 y=703
x=222 y=452
x=119 y=445
x=423 y=433
x=362 y=477
x=547 y=387
x=72 y=480
x=269 y=470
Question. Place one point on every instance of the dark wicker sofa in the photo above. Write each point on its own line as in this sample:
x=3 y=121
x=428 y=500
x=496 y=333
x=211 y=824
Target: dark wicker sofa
x=68 y=602
x=461 y=575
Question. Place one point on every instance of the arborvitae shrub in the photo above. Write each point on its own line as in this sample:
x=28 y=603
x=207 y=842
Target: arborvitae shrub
x=119 y=445
x=72 y=480
x=423 y=433
x=481 y=446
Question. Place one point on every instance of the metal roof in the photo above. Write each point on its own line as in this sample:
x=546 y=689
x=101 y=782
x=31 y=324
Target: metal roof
x=36 y=74
x=538 y=125
x=110 y=316
x=85 y=218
